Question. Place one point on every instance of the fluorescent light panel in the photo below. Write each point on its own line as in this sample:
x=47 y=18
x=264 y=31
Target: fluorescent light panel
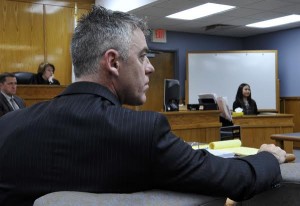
x=201 y=11
x=276 y=22
x=123 y=5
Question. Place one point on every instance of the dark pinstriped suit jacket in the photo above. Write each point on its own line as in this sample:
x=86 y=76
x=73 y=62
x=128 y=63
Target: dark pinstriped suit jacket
x=5 y=106
x=83 y=140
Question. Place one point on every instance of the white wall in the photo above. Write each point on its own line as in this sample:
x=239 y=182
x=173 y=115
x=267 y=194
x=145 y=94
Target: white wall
x=221 y=72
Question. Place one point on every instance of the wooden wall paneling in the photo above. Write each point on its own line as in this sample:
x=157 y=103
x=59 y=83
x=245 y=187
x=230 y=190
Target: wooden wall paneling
x=21 y=39
x=2 y=21
x=58 y=39
x=86 y=4
x=291 y=105
x=59 y=27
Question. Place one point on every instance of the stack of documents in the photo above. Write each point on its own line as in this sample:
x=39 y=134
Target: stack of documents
x=228 y=148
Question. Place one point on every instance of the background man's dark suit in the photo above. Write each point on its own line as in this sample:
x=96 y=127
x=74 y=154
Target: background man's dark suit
x=84 y=140
x=5 y=106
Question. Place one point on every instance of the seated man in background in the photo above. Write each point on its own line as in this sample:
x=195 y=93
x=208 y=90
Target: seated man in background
x=84 y=140
x=8 y=100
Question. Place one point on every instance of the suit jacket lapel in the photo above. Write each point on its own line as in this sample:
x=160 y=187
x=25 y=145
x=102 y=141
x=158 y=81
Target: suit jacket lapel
x=19 y=102
x=6 y=104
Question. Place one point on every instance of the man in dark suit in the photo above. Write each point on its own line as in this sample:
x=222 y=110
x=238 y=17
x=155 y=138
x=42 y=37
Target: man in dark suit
x=84 y=140
x=8 y=100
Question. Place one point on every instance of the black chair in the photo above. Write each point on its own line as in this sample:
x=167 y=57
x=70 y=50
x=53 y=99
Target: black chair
x=24 y=77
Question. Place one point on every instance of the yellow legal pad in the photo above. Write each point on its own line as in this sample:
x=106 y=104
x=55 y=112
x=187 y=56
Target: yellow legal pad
x=234 y=146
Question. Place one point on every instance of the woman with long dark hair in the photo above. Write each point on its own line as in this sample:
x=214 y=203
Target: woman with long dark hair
x=243 y=100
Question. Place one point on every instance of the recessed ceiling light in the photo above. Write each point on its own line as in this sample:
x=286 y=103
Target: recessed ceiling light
x=201 y=11
x=276 y=22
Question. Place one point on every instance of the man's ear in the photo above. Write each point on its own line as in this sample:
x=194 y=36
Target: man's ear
x=111 y=57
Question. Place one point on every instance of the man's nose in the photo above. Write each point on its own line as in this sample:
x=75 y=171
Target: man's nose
x=150 y=68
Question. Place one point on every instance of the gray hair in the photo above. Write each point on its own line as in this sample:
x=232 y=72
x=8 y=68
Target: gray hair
x=98 y=31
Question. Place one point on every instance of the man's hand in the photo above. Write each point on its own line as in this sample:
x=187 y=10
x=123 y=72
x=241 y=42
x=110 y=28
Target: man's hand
x=279 y=153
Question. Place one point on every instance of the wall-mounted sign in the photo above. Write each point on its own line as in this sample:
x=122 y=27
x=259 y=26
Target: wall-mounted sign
x=159 y=35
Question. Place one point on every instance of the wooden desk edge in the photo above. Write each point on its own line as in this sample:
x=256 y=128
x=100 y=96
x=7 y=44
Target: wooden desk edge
x=285 y=137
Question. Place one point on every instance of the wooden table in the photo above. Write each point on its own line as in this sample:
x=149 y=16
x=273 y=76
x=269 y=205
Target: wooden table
x=285 y=140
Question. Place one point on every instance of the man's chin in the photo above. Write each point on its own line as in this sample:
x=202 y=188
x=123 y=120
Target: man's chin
x=137 y=102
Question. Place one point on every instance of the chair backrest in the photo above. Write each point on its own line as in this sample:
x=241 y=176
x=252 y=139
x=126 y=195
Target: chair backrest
x=24 y=77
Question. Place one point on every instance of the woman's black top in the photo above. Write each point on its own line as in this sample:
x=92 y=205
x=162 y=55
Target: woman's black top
x=249 y=109
x=38 y=79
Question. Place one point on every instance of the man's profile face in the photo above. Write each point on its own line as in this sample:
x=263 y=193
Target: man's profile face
x=134 y=75
x=9 y=86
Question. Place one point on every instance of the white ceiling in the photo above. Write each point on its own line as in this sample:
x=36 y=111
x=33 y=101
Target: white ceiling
x=231 y=23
